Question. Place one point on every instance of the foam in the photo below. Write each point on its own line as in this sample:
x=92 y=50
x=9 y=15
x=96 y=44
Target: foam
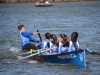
x=14 y=50
x=32 y=61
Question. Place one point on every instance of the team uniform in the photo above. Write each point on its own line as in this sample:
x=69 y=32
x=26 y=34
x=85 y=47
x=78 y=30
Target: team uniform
x=71 y=46
x=62 y=49
x=43 y=45
x=26 y=38
x=53 y=50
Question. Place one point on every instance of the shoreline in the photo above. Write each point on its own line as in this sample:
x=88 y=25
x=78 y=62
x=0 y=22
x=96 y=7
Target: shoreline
x=33 y=1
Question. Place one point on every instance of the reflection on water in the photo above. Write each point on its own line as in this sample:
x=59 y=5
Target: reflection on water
x=63 y=17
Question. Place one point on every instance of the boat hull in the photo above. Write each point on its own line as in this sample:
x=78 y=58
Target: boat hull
x=76 y=57
x=43 y=5
x=38 y=58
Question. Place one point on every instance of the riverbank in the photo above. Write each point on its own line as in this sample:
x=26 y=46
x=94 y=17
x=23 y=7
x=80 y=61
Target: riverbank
x=32 y=1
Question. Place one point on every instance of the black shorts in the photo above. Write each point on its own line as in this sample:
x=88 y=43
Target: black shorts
x=30 y=46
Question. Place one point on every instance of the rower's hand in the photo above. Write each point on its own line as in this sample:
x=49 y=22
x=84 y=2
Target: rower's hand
x=35 y=32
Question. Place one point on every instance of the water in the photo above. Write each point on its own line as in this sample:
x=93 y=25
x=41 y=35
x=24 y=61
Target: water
x=63 y=17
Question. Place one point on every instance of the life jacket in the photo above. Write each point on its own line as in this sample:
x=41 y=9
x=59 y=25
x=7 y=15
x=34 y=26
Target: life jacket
x=51 y=46
x=45 y=44
x=71 y=46
x=24 y=40
x=59 y=49
x=62 y=49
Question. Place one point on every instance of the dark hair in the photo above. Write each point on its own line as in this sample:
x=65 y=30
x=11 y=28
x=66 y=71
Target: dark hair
x=47 y=35
x=53 y=36
x=20 y=27
x=66 y=40
x=63 y=36
x=74 y=37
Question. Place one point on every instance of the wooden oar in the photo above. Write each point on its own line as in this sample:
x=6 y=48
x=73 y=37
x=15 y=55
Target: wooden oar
x=24 y=57
x=29 y=52
x=32 y=51
x=92 y=52
x=39 y=36
x=29 y=56
x=39 y=51
x=24 y=53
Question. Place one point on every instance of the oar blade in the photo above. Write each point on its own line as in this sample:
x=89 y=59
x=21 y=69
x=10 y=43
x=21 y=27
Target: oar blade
x=92 y=52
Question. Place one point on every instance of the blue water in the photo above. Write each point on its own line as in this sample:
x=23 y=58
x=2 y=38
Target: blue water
x=62 y=17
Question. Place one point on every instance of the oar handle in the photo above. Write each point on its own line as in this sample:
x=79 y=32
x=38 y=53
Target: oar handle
x=39 y=36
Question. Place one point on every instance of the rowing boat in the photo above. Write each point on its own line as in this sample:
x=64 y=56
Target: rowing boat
x=76 y=57
x=42 y=5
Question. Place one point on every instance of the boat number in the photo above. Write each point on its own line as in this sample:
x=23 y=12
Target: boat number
x=81 y=56
x=67 y=56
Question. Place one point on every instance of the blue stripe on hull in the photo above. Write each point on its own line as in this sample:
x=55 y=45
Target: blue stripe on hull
x=76 y=57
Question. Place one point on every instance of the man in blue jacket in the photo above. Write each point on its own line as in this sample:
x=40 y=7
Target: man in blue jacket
x=26 y=38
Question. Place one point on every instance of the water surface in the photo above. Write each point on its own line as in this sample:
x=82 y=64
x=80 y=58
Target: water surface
x=62 y=17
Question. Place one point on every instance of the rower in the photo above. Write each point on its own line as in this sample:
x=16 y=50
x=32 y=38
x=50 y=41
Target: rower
x=52 y=45
x=63 y=43
x=74 y=43
x=26 y=38
x=44 y=43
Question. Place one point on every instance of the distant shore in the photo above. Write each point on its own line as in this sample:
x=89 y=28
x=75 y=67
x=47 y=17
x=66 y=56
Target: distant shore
x=32 y=1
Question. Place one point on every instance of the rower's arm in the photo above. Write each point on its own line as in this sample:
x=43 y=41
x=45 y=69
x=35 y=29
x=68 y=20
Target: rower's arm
x=40 y=44
x=33 y=39
x=29 y=35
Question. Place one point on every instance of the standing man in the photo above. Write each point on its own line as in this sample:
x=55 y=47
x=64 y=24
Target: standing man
x=26 y=38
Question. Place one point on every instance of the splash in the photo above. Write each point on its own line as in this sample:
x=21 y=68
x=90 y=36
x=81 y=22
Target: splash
x=32 y=61
x=19 y=57
x=14 y=50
